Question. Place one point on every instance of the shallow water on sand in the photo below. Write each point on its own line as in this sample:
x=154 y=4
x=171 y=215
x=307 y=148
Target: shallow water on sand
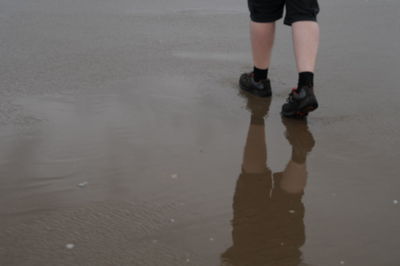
x=124 y=139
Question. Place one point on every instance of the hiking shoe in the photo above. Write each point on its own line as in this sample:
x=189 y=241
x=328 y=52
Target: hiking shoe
x=261 y=88
x=300 y=102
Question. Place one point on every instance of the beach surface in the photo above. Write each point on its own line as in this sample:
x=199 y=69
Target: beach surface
x=124 y=139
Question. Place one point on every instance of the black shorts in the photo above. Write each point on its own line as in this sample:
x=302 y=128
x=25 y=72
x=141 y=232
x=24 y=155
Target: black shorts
x=271 y=10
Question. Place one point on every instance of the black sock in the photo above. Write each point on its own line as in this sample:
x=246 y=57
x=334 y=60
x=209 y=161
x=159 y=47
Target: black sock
x=260 y=74
x=306 y=79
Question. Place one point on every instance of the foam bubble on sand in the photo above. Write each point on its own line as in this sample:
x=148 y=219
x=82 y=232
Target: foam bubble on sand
x=83 y=184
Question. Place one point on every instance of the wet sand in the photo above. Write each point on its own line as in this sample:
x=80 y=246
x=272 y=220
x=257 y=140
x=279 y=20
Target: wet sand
x=124 y=139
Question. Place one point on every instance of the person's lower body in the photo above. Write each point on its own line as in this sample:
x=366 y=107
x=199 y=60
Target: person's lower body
x=301 y=15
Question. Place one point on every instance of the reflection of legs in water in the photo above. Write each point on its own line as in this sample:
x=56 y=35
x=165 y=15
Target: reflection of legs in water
x=251 y=225
x=295 y=175
x=255 y=151
x=267 y=223
x=289 y=188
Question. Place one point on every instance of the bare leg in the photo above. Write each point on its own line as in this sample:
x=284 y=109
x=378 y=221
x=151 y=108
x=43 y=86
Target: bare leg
x=262 y=39
x=305 y=44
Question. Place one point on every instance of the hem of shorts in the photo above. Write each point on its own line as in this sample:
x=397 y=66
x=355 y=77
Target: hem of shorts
x=290 y=22
x=264 y=20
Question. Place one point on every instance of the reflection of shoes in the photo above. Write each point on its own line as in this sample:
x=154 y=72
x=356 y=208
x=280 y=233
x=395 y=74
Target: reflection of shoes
x=261 y=88
x=298 y=135
x=258 y=107
x=300 y=102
